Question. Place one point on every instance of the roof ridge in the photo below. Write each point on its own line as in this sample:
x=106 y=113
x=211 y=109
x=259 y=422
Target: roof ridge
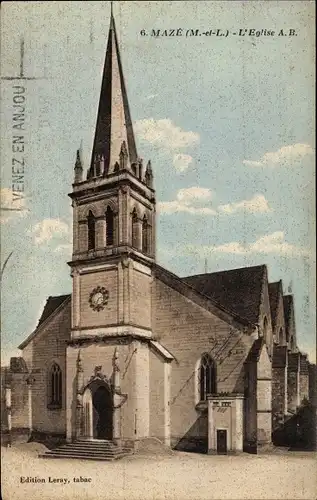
x=226 y=271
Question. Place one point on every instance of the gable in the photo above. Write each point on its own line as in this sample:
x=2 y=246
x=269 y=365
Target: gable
x=277 y=311
x=258 y=355
x=264 y=370
x=289 y=316
x=264 y=320
x=53 y=306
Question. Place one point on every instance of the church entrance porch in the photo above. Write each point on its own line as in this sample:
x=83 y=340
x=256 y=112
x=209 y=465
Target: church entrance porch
x=98 y=412
x=225 y=423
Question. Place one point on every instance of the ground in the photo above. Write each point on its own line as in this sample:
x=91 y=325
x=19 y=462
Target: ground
x=161 y=476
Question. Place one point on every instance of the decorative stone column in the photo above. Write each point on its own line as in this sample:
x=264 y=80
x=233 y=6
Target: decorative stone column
x=139 y=228
x=153 y=233
x=118 y=399
x=126 y=290
x=75 y=298
x=79 y=397
x=116 y=391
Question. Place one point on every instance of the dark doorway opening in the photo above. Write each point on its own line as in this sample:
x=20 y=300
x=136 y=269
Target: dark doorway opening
x=221 y=442
x=102 y=415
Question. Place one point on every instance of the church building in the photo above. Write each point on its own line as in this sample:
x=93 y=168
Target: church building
x=204 y=363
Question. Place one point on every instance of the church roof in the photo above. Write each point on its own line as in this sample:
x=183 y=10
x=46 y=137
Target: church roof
x=161 y=350
x=279 y=356
x=114 y=125
x=190 y=291
x=51 y=305
x=293 y=360
x=238 y=290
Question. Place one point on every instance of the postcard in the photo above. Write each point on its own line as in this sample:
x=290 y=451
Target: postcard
x=157 y=250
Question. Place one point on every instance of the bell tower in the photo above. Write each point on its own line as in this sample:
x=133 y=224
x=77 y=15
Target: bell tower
x=113 y=219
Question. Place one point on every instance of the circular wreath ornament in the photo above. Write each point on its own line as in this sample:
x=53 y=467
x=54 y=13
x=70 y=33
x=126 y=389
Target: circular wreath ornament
x=98 y=298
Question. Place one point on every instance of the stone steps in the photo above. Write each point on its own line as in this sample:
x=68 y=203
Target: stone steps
x=88 y=450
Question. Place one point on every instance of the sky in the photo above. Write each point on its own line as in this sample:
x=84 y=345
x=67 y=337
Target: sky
x=227 y=122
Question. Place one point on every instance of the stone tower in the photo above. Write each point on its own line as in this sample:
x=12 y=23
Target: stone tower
x=113 y=219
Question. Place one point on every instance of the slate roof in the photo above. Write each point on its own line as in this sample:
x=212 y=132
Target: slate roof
x=293 y=361
x=51 y=305
x=114 y=124
x=238 y=290
x=274 y=289
x=279 y=356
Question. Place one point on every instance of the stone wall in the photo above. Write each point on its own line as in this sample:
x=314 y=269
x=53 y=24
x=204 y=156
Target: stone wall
x=19 y=401
x=187 y=331
x=140 y=296
x=264 y=397
x=48 y=346
x=279 y=393
x=293 y=396
x=88 y=282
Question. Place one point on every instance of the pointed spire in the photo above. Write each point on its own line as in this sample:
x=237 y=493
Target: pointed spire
x=149 y=168
x=78 y=170
x=149 y=174
x=114 y=125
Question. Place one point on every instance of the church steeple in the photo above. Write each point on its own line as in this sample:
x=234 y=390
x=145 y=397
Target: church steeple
x=114 y=207
x=114 y=220
x=113 y=125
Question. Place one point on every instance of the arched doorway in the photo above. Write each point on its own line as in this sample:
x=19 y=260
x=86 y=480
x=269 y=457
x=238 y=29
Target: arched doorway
x=102 y=412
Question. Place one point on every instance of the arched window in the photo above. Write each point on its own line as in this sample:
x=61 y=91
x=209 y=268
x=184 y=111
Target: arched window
x=109 y=226
x=55 y=386
x=145 y=235
x=207 y=377
x=134 y=228
x=91 y=231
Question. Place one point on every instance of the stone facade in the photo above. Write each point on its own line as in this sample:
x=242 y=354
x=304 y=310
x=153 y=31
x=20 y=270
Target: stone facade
x=225 y=424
